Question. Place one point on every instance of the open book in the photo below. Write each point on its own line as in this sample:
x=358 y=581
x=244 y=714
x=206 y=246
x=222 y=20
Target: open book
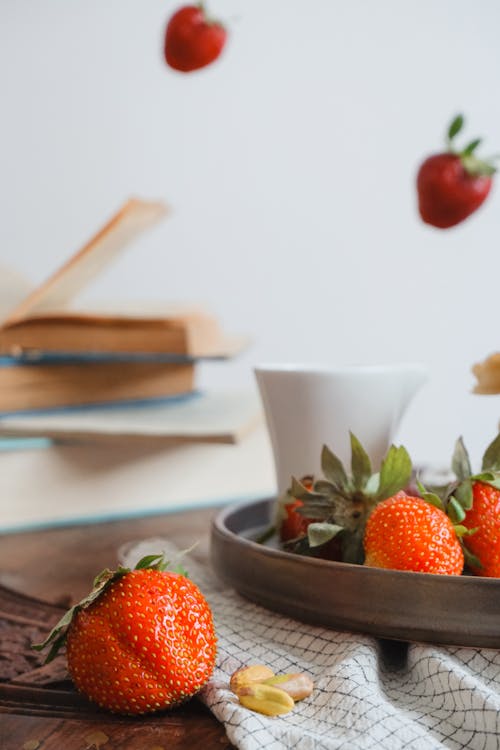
x=43 y=320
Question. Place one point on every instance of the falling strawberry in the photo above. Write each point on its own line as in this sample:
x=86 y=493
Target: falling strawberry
x=192 y=40
x=335 y=509
x=408 y=533
x=143 y=640
x=474 y=501
x=453 y=184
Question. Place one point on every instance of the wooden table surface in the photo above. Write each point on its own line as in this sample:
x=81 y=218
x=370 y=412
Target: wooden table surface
x=58 y=565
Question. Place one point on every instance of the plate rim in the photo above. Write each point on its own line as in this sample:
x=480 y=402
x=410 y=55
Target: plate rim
x=220 y=526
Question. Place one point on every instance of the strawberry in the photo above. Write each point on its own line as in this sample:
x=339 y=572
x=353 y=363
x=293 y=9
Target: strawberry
x=484 y=516
x=408 y=533
x=143 y=640
x=453 y=184
x=335 y=509
x=192 y=40
x=474 y=501
x=293 y=524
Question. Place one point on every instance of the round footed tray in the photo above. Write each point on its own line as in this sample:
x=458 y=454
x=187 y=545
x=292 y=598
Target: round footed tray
x=453 y=610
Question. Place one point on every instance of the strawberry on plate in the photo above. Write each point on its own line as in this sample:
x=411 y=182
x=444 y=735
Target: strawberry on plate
x=484 y=516
x=474 y=502
x=329 y=514
x=408 y=533
x=451 y=185
x=192 y=40
x=143 y=640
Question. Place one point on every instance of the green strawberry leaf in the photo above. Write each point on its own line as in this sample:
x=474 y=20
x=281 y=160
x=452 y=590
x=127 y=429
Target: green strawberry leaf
x=488 y=477
x=315 y=509
x=324 y=487
x=321 y=533
x=430 y=497
x=360 y=463
x=150 y=561
x=462 y=531
x=460 y=462
x=477 y=167
x=471 y=147
x=333 y=469
x=471 y=560
x=299 y=492
x=456 y=126
x=455 y=511
x=395 y=472
x=491 y=458
x=463 y=494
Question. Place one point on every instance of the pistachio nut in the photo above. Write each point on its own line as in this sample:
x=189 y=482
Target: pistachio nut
x=248 y=675
x=266 y=699
x=298 y=685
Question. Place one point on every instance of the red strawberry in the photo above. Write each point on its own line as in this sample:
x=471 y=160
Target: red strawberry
x=142 y=641
x=474 y=502
x=408 y=533
x=334 y=509
x=294 y=527
x=452 y=185
x=193 y=41
x=484 y=516
x=294 y=524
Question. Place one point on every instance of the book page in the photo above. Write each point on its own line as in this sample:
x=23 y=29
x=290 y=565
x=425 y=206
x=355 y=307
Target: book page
x=13 y=289
x=215 y=416
x=132 y=219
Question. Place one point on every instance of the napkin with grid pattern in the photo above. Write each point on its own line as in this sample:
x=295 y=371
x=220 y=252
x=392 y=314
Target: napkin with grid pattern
x=368 y=694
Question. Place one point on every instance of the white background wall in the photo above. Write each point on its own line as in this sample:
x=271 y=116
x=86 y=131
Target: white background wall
x=290 y=165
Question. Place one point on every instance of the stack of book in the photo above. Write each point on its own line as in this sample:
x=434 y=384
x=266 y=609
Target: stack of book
x=55 y=357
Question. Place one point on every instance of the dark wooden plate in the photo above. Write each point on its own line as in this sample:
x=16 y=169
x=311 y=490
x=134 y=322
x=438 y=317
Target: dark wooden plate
x=453 y=610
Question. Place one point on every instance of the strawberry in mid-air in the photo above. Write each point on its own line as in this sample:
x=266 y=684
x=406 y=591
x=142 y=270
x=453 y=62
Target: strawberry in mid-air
x=142 y=641
x=453 y=184
x=192 y=40
x=408 y=533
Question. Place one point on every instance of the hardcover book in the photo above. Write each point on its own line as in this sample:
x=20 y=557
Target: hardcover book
x=45 y=382
x=44 y=319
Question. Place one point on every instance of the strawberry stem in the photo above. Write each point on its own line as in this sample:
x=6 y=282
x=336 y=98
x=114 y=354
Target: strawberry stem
x=454 y=128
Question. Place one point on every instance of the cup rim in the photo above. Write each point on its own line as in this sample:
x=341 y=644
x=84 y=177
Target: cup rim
x=322 y=368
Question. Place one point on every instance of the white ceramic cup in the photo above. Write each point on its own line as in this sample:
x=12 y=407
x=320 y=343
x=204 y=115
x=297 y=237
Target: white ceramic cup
x=307 y=407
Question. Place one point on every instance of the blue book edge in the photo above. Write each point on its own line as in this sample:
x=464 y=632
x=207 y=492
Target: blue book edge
x=183 y=507
x=105 y=405
x=27 y=359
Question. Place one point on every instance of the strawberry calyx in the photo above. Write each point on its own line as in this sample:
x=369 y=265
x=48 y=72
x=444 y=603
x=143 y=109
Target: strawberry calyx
x=458 y=497
x=340 y=503
x=472 y=164
x=57 y=636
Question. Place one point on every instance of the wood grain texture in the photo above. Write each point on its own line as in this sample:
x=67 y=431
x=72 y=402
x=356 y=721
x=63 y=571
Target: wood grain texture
x=44 y=572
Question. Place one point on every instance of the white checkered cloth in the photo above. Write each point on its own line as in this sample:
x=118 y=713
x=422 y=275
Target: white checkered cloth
x=367 y=694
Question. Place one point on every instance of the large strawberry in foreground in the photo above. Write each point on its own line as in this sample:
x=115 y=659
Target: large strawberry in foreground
x=409 y=533
x=192 y=40
x=142 y=641
x=451 y=185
